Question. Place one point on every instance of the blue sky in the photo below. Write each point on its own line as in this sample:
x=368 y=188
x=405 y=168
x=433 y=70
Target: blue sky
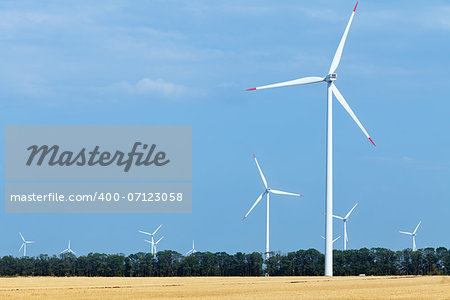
x=179 y=62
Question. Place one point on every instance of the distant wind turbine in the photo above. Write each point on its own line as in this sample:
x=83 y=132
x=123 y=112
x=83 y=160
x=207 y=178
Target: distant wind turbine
x=192 y=250
x=331 y=90
x=68 y=250
x=345 y=219
x=24 y=245
x=413 y=234
x=266 y=192
x=152 y=242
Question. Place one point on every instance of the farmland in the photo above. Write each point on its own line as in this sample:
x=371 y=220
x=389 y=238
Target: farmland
x=381 y=287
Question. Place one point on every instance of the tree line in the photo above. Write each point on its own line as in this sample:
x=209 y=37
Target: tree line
x=375 y=261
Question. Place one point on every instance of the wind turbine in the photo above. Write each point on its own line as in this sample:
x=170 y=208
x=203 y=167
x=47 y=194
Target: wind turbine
x=266 y=192
x=345 y=219
x=68 y=250
x=156 y=243
x=152 y=235
x=333 y=240
x=192 y=250
x=24 y=245
x=413 y=234
x=331 y=89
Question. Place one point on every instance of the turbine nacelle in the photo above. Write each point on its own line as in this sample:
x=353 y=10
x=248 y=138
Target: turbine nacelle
x=331 y=77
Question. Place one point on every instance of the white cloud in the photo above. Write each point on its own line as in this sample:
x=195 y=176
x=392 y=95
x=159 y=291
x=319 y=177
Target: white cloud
x=437 y=17
x=409 y=162
x=159 y=86
x=15 y=19
x=155 y=87
x=226 y=84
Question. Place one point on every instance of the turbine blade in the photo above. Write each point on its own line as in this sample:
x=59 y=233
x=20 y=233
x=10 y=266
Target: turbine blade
x=148 y=241
x=254 y=204
x=408 y=233
x=299 y=81
x=260 y=172
x=337 y=217
x=351 y=210
x=144 y=232
x=156 y=229
x=64 y=251
x=189 y=251
x=30 y=242
x=284 y=193
x=349 y=110
x=340 y=49
x=336 y=239
x=417 y=227
x=21 y=236
x=322 y=237
x=156 y=243
x=21 y=247
x=73 y=252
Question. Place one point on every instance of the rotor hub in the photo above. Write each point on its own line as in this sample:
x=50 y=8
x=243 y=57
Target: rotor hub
x=331 y=77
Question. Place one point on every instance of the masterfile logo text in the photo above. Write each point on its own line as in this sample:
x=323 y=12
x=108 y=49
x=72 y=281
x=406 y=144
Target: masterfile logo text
x=53 y=156
x=70 y=152
x=98 y=169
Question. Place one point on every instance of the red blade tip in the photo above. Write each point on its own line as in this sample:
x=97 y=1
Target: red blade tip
x=252 y=89
x=243 y=219
x=254 y=155
x=302 y=195
x=355 y=6
x=372 y=142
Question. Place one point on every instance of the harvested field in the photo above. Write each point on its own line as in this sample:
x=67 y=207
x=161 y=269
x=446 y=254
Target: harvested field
x=388 y=287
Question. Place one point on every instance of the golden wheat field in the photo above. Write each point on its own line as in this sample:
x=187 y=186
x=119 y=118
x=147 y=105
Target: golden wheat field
x=105 y=288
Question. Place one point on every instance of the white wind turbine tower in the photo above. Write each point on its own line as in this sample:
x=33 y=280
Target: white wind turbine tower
x=192 y=250
x=345 y=219
x=24 y=245
x=413 y=234
x=331 y=89
x=152 y=235
x=266 y=192
x=68 y=250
